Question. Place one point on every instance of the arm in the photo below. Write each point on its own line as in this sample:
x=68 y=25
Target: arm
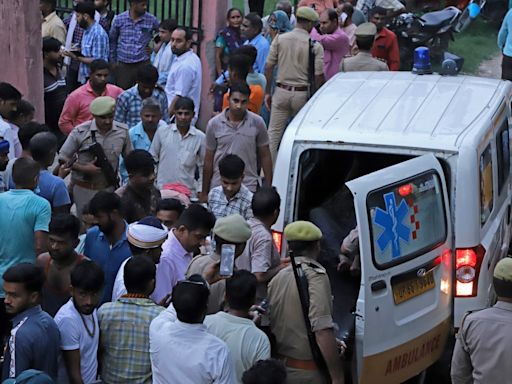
x=182 y=85
x=72 y=362
x=394 y=56
x=42 y=221
x=113 y=37
x=269 y=70
x=68 y=115
x=266 y=163
x=503 y=33
x=218 y=60
x=200 y=161
x=327 y=343
x=171 y=106
x=207 y=172
x=121 y=109
x=40 y=242
x=100 y=50
x=462 y=369
x=330 y=41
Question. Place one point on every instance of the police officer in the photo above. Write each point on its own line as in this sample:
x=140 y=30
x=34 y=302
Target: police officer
x=287 y=316
x=363 y=60
x=290 y=52
x=86 y=177
x=484 y=342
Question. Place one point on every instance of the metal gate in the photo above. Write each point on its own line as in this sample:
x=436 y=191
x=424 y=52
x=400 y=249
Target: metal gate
x=183 y=11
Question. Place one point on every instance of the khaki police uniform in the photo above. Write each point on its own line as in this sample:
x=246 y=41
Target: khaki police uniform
x=363 y=61
x=115 y=142
x=290 y=52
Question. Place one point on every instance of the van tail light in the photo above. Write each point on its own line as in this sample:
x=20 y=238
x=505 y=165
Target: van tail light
x=278 y=240
x=467 y=269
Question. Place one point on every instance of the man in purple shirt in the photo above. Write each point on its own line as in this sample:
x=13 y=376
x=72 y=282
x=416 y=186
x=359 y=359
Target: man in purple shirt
x=335 y=42
x=130 y=35
x=183 y=243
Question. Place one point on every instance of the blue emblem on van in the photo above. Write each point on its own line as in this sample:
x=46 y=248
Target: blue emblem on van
x=391 y=220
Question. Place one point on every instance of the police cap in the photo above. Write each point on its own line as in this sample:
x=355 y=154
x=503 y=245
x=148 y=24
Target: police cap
x=302 y=231
x=307 y=13
x=503 y=277
x=232 y=228
x=366 y=30
x=103 y=105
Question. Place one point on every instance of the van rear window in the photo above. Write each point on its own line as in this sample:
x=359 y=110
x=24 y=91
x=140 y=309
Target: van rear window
x=407 y=219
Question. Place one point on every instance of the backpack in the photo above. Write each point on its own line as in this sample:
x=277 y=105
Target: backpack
x=30 y=376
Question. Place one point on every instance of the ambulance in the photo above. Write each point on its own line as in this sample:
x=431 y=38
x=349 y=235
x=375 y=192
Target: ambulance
x=420 y=165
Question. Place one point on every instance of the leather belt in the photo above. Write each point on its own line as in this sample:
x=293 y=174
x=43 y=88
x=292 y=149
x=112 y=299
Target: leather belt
x=308 y=365
x=293 y=88
x=88 y=185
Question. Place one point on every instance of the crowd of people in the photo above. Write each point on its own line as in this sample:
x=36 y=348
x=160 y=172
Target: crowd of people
x=121 y=206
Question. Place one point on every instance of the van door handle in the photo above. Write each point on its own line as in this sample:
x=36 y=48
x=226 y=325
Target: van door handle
x=378 y=286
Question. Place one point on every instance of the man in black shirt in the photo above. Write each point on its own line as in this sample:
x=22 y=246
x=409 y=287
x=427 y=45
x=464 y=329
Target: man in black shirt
x=55 y=90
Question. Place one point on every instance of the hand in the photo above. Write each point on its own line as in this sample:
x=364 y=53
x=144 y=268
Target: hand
x=255 y=314
x=70 y=54
x=62 y=171
x=268 y=100
x=203 y=197
x=211 y=273
x=285 y=261
x=165 y=301
x=344 y=264
x=342 y=347
x=90 y=168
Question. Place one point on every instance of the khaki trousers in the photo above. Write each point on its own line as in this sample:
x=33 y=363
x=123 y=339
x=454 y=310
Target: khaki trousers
x=285 y=105
x=301 y=376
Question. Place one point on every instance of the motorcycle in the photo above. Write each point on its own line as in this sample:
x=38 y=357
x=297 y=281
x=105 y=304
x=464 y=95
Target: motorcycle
x=433 y=30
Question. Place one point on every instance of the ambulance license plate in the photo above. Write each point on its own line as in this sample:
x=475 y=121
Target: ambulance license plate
x=411 y=288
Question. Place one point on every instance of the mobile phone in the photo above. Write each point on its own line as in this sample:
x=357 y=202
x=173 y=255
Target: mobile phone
x=227 y=260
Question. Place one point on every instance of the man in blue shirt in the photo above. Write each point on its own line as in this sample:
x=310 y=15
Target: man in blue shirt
x=94 y=43
x=505 y=45
x=106 y=243
x=34 y=338
x=130 y=35
x=251 y=30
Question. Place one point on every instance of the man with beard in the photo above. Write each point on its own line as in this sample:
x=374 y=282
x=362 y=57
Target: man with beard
x=129 y=103
x=78 y=325
x=94 y=43
x=194 y=224
x=34 y=338
x=185 y=76
x=107 y=243
x=9 y=99
x=58 y=262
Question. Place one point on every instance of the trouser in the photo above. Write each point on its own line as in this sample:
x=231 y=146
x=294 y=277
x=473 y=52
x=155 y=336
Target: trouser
x=126 y=74
x=285 y=105
x=72 y=78
x=506 y=68
x=302 y=376
x=83 y=196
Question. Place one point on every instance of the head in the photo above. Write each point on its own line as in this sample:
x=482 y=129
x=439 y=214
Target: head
x=285 y=6
x=24 y=113
x=365 y=36
x=251 y=26
x=146 y=237
x=328 y=21
x=166 y=28
x=147 y=77
x=365 y=43
x=138 y=7
x=4 y=154
x=181 y=41
x=378 y=17
x=190 y=299
x=193 y=226
x=269 y=371
x=101 y=5
x=63 y=236
x=168 y=211
x=84 y=14
x=47 y=6
x=233 y=230
x=43 y=147
x=234 y=18
x=23 y=285
x=265 y=204
x=28 y=131
x=502 y=279
x=241 y=290
x=87 y=279
x=248 y=50
x=303 y=238
x=306 y=18
x=25 y=173
x=141 y=169
x=99 y=74
x=52 y=54
x=102 y=109
x=231 y=169
x=184 y=112
x=150 y=114
x=106 y=209
x=279 y=22
x=348 y=9
x=139 y=275
x=239 y=67
x=9 y=98
x=238 y=100
x=88 y=220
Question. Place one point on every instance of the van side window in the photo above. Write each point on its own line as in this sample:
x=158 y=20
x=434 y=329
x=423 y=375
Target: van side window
x=407 y=219
x=486 y=187
x=503 y=147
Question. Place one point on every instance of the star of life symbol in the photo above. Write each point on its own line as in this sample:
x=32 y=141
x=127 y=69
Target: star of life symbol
x=391 y=220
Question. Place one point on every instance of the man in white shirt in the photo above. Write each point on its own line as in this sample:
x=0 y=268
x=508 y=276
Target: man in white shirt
x=78 y=325
x=9 y=99
x=246 y=342
x=184 y=351
x=185 y=74
x=179 y=149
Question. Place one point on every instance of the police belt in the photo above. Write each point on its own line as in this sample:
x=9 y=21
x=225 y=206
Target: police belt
x=299 y=88
x=91 y=186
x=308 y=365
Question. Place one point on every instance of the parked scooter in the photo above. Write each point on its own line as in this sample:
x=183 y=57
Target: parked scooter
x=433 y=30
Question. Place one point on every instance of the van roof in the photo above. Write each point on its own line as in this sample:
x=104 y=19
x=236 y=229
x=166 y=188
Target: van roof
x=399 y=109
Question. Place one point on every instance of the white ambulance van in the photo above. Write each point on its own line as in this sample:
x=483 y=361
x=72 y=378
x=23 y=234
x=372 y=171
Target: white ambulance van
x=421 y=166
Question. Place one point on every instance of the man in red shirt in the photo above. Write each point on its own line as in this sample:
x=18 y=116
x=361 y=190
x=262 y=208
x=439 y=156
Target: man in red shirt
x=385 y=46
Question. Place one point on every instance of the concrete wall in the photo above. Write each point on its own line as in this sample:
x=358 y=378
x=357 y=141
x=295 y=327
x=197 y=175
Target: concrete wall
x=20 y=50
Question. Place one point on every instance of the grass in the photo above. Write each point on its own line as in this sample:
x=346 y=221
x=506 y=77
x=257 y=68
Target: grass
x=476 y=44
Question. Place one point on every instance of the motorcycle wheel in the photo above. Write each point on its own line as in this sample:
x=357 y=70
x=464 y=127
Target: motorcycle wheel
x=463 y=22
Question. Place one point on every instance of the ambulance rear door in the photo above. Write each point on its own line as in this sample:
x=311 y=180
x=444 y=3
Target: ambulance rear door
x=404 y=305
